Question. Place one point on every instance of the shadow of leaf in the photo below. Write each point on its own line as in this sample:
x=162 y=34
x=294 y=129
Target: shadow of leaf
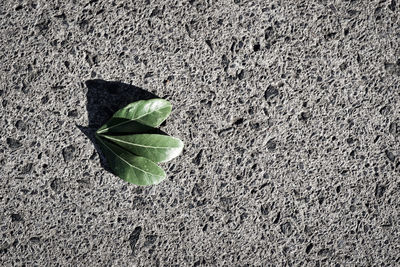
x=104 y=98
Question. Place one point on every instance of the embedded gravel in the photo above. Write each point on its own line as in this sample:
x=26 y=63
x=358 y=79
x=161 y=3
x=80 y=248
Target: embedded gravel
x=289 y=111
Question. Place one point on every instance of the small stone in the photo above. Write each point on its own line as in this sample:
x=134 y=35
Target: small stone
x=55 y=185
x=239 y=121
x=240 y=75
x=35 y=239
x=20 y=125
x=16 y=218
x=394 y=128
x=197 y=159
x=390 y=155
x=271 y=92
x=257 y=47
x=392 y=68
x=286 y=228
x=323 y=252
x=68 y=153
x=309 y=247
x=271 y=145
x=304 y=116
x=13 y=143
x=265 y=209
x=26 y=168
x=150 y=239
x=379 y=190
x=277 y=218
x=45 y=99
x=73 y=113
x=134 y=237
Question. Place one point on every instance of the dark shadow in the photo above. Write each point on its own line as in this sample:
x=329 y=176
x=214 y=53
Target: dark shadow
x=104 y=98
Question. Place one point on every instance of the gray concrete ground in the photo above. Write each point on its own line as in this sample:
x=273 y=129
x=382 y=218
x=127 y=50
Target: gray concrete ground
x=289 y=110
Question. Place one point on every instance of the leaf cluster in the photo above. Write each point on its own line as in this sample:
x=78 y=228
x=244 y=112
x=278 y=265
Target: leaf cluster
x=131 y=145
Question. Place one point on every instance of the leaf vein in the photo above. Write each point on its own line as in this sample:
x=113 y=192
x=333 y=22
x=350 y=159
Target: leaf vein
x=148 y=173
x=136 y=119
x=135 y=144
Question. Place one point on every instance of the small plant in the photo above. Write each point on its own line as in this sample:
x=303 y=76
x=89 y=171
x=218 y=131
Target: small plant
x=130 y=143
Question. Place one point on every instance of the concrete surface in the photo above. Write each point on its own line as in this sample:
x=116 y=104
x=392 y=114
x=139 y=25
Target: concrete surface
x=289 y=111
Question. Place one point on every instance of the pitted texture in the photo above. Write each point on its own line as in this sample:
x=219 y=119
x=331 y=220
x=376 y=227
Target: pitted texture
x=289 y=111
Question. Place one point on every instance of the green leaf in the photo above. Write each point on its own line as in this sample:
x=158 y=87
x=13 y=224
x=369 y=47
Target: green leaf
x=131 y=168
x=121 y=126
x=146 y=112
x=156 y=147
